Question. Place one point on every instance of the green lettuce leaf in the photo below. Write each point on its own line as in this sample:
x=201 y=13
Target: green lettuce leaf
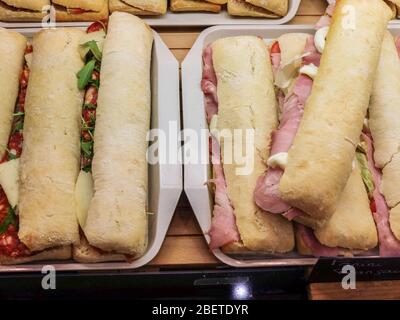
x=365 y=172
x=8 y=220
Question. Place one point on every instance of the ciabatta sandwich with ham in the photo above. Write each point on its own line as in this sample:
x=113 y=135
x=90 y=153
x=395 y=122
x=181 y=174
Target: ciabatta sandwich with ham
x=239 y=95
x=311 y=170
x=381 y=143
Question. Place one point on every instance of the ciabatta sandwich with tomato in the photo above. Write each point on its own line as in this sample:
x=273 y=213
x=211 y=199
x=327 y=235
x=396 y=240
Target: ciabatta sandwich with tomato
x=111 y=191
x=80 y=10
x=23 y=10
x=40 y=165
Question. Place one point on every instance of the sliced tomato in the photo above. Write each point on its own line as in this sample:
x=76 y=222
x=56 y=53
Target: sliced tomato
x=15 y=143
x=97 y=26
x=372 y=206
x=275 y=48
x=76 y=10
x=29 y=49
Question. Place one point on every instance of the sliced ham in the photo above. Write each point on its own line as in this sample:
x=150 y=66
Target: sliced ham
x=275 y=61
x=209 y=84
x=389 y=246
x=325 y=20
x=317 y=249
x=398 y=45
x=266 y=193
x=223 y=225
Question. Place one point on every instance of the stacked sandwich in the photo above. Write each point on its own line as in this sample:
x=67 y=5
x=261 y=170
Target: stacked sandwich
x=325 y=168
x=66 y=119
x=248 y=8
x=65 y=10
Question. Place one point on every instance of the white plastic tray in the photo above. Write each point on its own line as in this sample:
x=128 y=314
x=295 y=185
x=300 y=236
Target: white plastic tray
x=189 y=19
x=194 y=117
x=165 y=180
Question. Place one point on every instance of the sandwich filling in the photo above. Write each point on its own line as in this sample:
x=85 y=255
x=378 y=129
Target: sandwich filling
x=291 y=105
x=223 y=225
x=10 y=244
x=89 y=81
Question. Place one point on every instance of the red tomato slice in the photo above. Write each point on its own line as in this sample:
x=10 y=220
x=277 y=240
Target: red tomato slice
x=96 y=26
x=275 y=48
x=372 y=206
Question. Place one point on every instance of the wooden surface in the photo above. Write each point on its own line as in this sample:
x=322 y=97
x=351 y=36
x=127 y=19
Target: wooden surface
x=185 y=246
x=373 y=290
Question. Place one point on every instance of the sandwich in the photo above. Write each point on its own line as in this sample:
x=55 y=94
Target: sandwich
x=66 y=10
x=245 y=8
x=316 y=170
x=196 y=5
x=80 y=10
x=23 y=10
x=279 y=7
x=111 y=190
x=380 y=138
x=239 y=95
x=139 y=7
x=40 y=165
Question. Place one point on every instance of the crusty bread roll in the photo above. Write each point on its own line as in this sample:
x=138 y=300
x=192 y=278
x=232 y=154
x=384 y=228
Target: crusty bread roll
x=58 y=253
x=33 y=5
x=12 y=14
x=194 y=5
x=90 y=5
x=117 y=218
x=320 y=160
x=12 y=49
x=50 y=158
x=98 y=10
x=119 y=5
x=156 y=6
x=244 y=9
x=279 y=7
x=247 y=101
x=352 y=225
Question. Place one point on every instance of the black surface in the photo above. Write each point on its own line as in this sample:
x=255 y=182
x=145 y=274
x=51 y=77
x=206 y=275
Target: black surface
x=282 y=283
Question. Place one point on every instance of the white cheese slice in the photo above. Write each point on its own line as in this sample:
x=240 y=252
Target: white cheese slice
x=83 y=196
x=9 y=180
x=310 y=70
x=278 y=160
x=320 y=38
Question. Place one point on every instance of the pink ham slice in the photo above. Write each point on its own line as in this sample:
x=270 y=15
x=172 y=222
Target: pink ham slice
x=325 y=20
x=266 y=194
x=317 y=249
x=223 y=225
x=389 y=246
x=275 y=61
x=398 y=45
x=209 y=84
